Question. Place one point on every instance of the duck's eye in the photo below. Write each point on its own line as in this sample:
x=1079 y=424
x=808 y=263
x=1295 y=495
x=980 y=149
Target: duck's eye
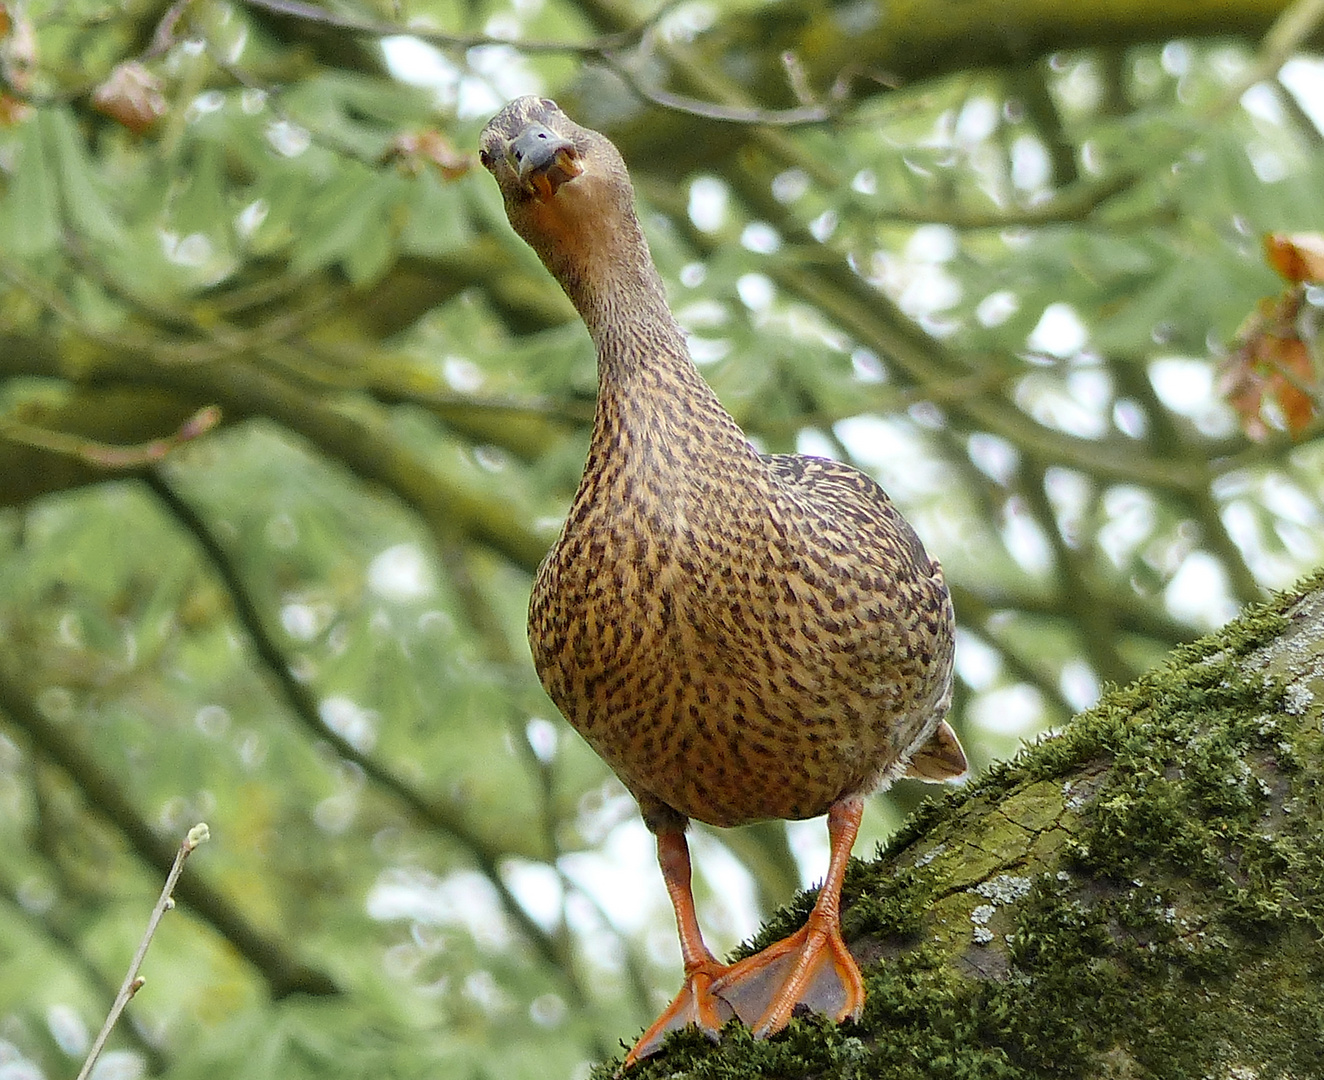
x=484 y=159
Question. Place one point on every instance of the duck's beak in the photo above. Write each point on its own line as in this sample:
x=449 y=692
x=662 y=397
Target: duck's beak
x=543 y=160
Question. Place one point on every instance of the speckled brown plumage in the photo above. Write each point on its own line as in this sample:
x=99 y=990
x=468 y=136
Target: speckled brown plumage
x=739 y=636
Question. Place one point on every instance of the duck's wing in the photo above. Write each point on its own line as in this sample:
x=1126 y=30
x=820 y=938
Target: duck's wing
x=850 y=508
x=848 y=511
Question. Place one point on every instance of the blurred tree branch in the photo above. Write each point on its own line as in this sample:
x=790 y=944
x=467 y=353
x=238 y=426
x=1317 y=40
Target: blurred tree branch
x=901 y=45
x=432 y=811
x=64 y=938
x=283 y=971
x=342 y=426
x=298 y=10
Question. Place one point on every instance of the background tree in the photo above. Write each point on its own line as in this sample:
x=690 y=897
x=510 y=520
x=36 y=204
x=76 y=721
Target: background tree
x=288 y=416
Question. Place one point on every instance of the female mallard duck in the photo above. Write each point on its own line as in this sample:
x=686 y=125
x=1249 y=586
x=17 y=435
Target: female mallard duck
x=740 y=636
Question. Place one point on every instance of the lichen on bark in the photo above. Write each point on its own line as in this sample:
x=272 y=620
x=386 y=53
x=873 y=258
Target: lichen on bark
x=1139 y=896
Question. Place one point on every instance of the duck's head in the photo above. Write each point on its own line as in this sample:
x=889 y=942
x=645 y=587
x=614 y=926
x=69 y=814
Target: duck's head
x=532 y=148
x=567 y=193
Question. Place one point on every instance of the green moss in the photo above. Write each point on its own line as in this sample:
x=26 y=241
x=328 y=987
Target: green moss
x=1142 y=896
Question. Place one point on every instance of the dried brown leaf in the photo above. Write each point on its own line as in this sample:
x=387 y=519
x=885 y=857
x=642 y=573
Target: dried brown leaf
x=1298 y=257
x=131 y=94
x=412 y=150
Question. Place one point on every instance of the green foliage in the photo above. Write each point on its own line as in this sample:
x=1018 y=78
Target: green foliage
x=306 y=628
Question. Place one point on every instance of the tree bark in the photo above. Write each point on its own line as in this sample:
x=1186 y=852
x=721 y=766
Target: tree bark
x=1139 y=896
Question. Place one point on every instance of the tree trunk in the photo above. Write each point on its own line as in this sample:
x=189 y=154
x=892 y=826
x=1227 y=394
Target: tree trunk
x=1139 y=896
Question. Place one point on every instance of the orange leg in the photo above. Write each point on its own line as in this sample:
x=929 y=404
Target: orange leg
x=695 y=1004
x=812 y=967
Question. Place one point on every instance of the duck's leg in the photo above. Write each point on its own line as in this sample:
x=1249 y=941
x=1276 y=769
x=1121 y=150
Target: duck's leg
x=812 y=967
x=695 y=1004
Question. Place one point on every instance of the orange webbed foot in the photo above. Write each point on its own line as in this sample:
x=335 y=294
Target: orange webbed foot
x=695 y=1004
x=811 y=967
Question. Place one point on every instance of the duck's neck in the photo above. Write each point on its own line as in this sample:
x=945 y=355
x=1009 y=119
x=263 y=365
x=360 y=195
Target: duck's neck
x=646 y=378
x=651 y=398
x=624 y=306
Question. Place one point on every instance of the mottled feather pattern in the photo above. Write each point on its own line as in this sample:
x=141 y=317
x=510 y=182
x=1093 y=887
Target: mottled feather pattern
x=740 y=637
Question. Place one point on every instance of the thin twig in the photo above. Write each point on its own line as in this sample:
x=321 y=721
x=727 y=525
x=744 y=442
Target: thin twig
x=298 y=9
x=133 y=982
x=108 y=456
x=712 y=110
x=164 y=36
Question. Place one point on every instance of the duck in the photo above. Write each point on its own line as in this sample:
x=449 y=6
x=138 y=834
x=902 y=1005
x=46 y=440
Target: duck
x=740 y=636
